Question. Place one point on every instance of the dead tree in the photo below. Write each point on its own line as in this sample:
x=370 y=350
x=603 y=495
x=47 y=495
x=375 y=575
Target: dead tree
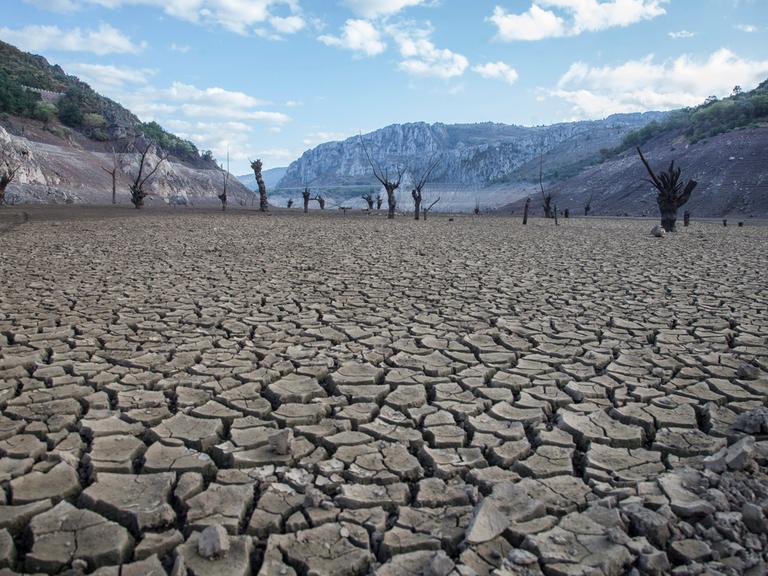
x=320 y=201
x=670 y=193
x=525 y=210
x=428 y=208
x=8 y=170
x=554 y=213
x=263 y=202
x=419 y=187
x=306 y=196
x=390 y=184
x=477 y=208
x=588 y=205
x=379 y=201
x=113 y=173
x=144 y=148
x=368 y=200
x=546 y=198
x=290 y=203
x=225 y=176
x=686 y=218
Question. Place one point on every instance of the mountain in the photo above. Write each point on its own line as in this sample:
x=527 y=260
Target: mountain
x=721 y=144
x=271 y=178
x=488 y=163
x=63 y=133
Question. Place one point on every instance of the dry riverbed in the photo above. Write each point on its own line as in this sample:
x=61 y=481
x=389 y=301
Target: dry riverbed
x=203 y=393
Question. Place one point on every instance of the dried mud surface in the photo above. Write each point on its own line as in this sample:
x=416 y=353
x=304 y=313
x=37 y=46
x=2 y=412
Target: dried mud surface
x=205 y=393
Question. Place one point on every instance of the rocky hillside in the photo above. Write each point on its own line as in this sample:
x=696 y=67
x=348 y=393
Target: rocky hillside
x=62 y=133
x=731 y=169
x=721 y=144
x=476 y=161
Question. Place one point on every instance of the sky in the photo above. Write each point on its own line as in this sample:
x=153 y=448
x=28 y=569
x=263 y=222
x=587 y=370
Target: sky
x=272 y=78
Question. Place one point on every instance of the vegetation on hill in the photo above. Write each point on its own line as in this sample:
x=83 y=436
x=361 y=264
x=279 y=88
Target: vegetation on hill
x=711 y=118
x=77 y=105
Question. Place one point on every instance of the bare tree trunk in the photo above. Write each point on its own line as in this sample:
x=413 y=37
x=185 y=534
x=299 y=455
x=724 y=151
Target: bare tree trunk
x=391 y=202
x=525 y=211
x=686 y=218
x=587 y=208
x=3 y=185
x=263 y=201
x=554 y=212
x=114 y=188
x=416 y=204
x=668 y=215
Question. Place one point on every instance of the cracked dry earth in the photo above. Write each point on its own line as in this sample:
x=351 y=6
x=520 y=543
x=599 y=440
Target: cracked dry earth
x=324 y=395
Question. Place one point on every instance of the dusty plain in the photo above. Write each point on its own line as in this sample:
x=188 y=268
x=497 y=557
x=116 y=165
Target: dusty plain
x=191 y=392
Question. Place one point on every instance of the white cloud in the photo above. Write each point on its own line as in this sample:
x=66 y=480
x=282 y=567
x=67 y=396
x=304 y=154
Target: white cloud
x=748 y=28
x=641 y=85
x=239 y=16
x=359 y=36
x=681 y=34
x=571 y=17
x=182 y=48
x=535 y=24
x=375 y=8
x=103 y=40
x=422 y=58
x=104 y=78
x=499 y=70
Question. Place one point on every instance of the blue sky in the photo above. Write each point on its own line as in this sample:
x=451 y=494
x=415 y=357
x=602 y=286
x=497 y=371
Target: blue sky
x=271 y=78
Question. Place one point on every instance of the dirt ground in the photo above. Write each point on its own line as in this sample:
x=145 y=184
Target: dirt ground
x=196 y=392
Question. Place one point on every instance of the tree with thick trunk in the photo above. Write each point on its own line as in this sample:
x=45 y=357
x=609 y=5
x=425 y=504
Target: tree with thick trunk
x=306 y=197
x=390 y=184
x=320 y=201
x=670 y=193
x=144 y=147
x=416 y=193
x=379 y=201
x=263 y=202
x=113 y=173
x=368 y=200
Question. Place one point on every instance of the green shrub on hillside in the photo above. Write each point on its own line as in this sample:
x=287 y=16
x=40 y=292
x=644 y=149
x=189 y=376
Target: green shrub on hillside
x=709 y=119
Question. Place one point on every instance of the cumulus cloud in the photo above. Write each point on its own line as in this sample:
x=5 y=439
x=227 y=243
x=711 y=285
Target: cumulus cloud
x=239 y=16
x=748 y=28
x=498 y=70
x=641 y=85
x=375 y=8
x=555 y=18
x=105 y=78
x=103 y=40
x=359 y=36
x=422 y=58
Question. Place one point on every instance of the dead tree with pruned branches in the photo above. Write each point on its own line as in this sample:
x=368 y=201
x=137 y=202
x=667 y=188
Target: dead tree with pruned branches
x=144 y=147
x=670 y=192
x=306 y=196
x=113 y=173
x=391 y=184
x=320 y=201
x=416 y=193
x=263 y=201
x=289 y=204
x=8 y=170
x=379 y=201
x=368 y=200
